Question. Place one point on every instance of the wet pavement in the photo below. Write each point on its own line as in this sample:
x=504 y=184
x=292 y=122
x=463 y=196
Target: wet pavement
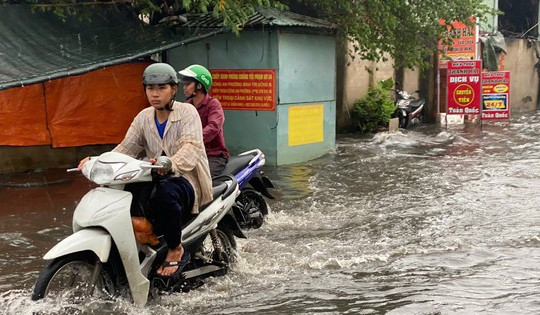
x=422 y=221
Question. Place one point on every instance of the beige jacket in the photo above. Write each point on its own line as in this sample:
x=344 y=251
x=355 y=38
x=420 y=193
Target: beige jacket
x=182 y=142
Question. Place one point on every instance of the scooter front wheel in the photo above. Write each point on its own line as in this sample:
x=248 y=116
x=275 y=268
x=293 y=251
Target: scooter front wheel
x=403 y=122
x=75 y=277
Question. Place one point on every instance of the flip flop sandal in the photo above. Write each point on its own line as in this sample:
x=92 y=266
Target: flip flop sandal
x=168 y=281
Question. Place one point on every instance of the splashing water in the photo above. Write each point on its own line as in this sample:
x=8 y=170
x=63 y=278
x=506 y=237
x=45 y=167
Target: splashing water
x=420 y=221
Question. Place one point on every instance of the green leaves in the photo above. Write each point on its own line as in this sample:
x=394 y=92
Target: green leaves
x=374 y=110
x=234 y=13
x=408 y=30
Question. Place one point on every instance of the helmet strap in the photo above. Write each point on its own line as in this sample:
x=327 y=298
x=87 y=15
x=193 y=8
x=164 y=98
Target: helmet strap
x=170 y=104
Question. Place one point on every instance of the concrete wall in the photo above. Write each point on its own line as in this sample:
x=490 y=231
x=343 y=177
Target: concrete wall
x=287 y=153
x=411 y=80
x=355 y=76
x=352 y=83
x=524 y=83
x=521 y=61
x=306 y=78
x=244 y=129
x=21 y=159
x=268 y=130
x=305 y=69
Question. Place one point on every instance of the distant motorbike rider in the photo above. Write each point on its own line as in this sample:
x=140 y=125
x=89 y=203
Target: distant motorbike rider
x=197 y=82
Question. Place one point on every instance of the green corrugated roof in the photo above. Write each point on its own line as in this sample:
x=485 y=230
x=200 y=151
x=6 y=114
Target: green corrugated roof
x=263 y=17
x=37 y=46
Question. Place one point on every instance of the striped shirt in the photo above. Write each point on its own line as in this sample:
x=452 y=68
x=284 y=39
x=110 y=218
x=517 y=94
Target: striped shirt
x=182 y=142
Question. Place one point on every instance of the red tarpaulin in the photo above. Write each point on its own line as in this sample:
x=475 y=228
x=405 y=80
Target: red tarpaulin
x=22 y=117
x=94 y=108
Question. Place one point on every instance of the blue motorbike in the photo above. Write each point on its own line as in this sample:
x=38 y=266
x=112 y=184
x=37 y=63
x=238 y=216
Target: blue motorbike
x=250 y=208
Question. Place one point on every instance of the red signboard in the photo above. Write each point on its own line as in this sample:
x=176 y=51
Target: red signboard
x=463 y=46
x=464 y=87
x=245 y=89
x=496 y=95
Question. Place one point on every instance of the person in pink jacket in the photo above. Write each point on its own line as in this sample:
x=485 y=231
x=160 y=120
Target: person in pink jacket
x=197 y=82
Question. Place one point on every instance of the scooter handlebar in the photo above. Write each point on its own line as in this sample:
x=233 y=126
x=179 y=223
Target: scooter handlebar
x=144 y=166
x=151 y=166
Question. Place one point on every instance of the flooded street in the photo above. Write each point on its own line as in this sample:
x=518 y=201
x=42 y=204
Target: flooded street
x=425 y=221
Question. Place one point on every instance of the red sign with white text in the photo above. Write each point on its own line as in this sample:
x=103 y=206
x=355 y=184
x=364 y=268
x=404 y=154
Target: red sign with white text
x=496 y=95
x=464 y=87
x=245 y=89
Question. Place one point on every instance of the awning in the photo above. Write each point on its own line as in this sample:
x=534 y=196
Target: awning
x=37 y=46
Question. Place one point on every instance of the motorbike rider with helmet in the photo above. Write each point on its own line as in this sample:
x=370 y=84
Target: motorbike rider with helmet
x=170 y=128
x=197 y=82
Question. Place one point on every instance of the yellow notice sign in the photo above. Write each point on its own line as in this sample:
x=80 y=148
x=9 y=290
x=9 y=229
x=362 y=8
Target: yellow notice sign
x=306 y=124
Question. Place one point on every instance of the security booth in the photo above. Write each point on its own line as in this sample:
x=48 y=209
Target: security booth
x=276 y=82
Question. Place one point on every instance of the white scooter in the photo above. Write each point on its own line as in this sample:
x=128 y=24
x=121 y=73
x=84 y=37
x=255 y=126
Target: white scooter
x=102 y=257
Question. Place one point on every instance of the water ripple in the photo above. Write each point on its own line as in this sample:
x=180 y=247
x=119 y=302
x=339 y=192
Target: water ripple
x=422 y=221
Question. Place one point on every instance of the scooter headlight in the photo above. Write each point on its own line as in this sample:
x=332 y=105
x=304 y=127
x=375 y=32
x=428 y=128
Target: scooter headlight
x=103 y=173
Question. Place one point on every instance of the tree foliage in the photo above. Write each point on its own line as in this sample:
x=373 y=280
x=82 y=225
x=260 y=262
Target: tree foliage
x=406 y=30
x=233 y=13
x=374 y=110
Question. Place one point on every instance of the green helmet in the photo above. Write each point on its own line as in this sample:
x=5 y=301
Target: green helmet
x=159 y=73
x=197 y=73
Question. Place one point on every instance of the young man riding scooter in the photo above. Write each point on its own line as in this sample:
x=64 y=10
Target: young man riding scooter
x=197 y=82
x=173 y=129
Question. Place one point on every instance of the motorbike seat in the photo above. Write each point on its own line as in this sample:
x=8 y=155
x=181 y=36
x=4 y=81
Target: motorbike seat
x=237 y=163
x=219 y=189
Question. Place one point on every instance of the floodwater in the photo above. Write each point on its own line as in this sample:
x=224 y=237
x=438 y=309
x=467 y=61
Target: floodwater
x=423 y=221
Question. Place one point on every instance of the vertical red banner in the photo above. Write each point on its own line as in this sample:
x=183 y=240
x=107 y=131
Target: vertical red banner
x=245 y=89
x=496 y=95
x=464 y=87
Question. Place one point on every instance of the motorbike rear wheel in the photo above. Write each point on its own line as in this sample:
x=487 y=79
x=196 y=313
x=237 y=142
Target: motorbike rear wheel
x=71 y=277
x=227 y=254
x=257 y=199
x=251 y=209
